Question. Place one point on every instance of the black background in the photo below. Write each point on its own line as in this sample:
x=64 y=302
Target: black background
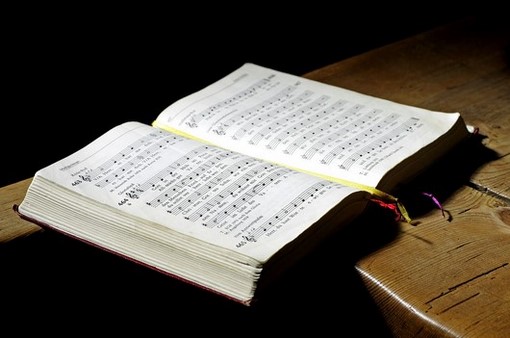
x=70 y=74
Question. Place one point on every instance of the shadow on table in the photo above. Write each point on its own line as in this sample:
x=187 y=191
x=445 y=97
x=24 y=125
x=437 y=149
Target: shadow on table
x=53 y=282
x=434 y=186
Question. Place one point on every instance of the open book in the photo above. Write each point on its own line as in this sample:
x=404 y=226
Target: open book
x=234 y=183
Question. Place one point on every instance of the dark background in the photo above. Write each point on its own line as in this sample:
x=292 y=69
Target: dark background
x=70 y=74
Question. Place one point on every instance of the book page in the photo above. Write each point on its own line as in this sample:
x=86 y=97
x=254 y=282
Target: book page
x=304 y=124
x=212 y=194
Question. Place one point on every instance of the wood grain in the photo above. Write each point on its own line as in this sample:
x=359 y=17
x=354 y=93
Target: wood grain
x=11 y=226
x=439 y=278
x=447 y=278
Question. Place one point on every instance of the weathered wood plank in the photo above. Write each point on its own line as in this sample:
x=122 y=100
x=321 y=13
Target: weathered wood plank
x=11 y=226
x=444 y=278
x=447 y=277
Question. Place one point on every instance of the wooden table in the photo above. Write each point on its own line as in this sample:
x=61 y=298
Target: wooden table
x=446 y=278
x=442 y=277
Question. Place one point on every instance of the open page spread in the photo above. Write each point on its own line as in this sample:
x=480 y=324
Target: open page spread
x=304 y=124
x=227 y=199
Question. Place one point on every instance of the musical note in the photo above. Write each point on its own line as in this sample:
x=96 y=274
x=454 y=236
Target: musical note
x=370 y=149
x=228 y=103
x=245 y=195
x=272 y=221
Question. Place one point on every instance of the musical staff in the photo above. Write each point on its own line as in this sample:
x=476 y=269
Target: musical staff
x=181 y=182
x=243 y=198
x=129 y=157
x=297 y=124
x=280 y=118
x=273 y=221
x=217 y=180
x=307 y=123
x=249 y=118
x=371 y=148
x=356 y=133
x=229 y=102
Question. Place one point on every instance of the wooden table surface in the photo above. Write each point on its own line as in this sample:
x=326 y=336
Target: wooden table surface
x=445 y=276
